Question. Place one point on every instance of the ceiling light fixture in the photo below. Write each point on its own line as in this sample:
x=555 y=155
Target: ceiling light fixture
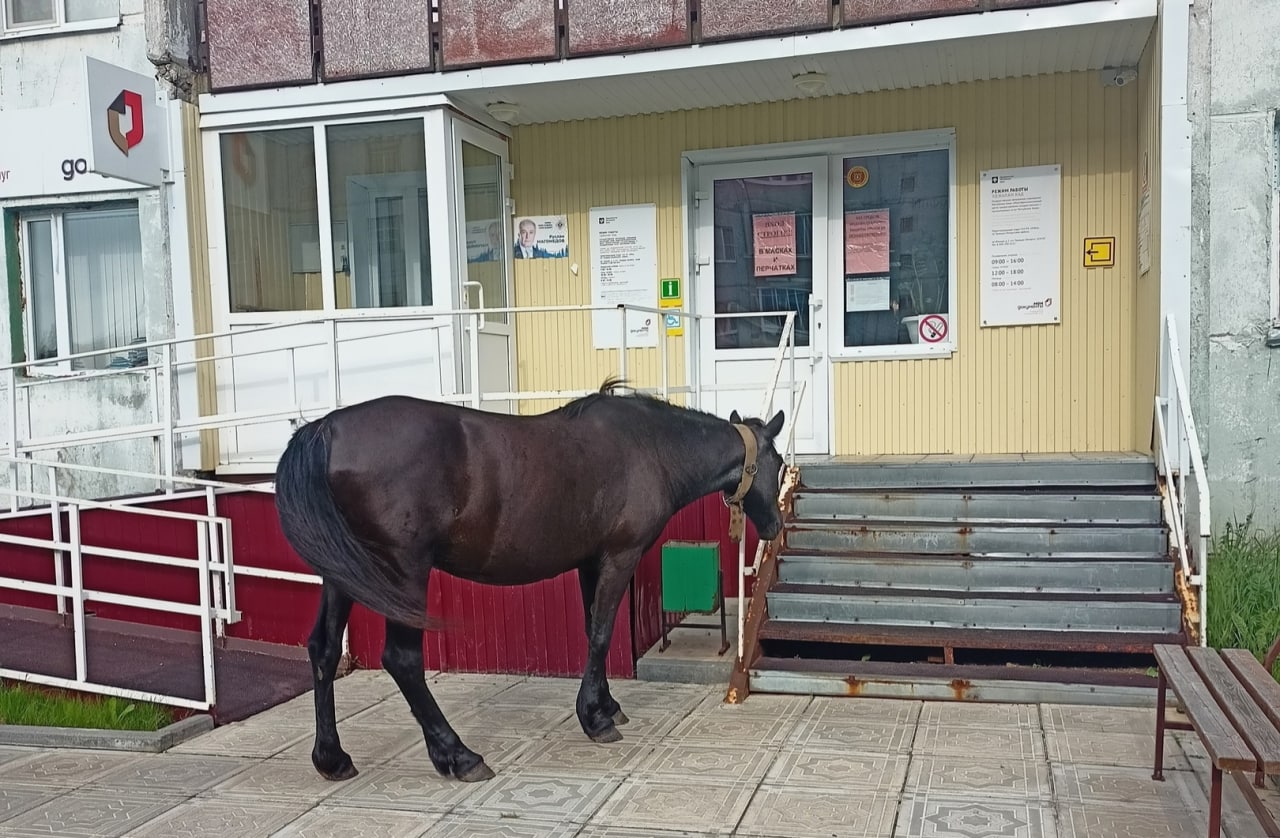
x=503 y=111
x=810 y=83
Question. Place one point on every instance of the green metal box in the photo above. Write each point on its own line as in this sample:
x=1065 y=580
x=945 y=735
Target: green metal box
x=690 y=576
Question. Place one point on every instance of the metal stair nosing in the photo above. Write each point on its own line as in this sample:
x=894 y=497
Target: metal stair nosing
x=953 y=682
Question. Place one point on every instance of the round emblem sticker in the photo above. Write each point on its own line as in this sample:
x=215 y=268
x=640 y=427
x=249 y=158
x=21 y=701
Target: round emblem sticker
x=857 y=177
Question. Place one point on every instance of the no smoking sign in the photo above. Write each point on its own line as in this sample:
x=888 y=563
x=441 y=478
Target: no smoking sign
x=933 y=328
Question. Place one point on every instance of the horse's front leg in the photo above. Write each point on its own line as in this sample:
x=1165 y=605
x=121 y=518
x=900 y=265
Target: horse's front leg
x=596 y=708
x=402 y=658
x=588 y=579
x=325 y=649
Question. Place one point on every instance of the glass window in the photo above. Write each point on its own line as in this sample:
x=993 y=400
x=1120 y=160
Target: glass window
x=272 y=220
x=377 y=200
x=84 y=279
x=482 y=211
x=755 y=275
x=80 y=10
x=30 y=13
x=17 y=15
x=896 y=234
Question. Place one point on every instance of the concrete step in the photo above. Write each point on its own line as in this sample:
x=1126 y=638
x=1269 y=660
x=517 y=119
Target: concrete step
x=997 y=610
x=994 y=473
x=979 y=507
x=942 y=682
x=948 y=573
x=1102 y=541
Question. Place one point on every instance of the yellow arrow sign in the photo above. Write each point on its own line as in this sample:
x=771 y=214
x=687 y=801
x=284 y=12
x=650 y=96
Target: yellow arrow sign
x=1100 y=252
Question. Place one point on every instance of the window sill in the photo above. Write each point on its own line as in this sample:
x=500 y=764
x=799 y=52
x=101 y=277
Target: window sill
x=898 y=352
x=78 y=27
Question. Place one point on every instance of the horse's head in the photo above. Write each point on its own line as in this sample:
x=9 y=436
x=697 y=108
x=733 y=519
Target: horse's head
x=761 y=501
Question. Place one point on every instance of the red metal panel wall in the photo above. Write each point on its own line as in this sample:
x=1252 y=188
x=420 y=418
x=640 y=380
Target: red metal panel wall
x=27 y=563
x=375 y=37
x=596 y=26
x=496 y=31
x=534 y=629
x=859 y=12
x=722 y=19
x=162 y=536
x=259 y=42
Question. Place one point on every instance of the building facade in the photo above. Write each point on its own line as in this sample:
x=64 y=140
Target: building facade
x=891 y=152
x=92 y=262
x=1235 y=333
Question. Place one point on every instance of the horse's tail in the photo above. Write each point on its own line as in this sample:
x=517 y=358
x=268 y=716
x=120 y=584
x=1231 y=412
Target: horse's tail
x=318 y=532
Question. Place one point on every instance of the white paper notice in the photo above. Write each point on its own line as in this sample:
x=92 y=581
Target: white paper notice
x=870 y=293
x=1021 y=246
x=624 y=269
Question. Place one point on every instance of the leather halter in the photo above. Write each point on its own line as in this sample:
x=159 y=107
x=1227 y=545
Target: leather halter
x=749 y=468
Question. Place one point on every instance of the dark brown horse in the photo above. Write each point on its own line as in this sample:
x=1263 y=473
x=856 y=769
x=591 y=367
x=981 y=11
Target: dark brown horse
x=375 y=496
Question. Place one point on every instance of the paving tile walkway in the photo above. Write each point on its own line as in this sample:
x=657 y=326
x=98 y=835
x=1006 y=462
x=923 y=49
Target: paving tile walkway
x=780 y=766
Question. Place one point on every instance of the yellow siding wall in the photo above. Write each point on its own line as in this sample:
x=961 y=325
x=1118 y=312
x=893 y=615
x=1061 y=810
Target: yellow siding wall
x=1038 y=388
x=1147 y=308
x=201 y=289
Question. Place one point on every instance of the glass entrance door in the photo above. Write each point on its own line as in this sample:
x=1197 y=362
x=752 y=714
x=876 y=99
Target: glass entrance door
x=756 y=253
x=484 y=254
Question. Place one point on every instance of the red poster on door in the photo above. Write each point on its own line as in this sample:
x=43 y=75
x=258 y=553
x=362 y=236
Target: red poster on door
x=866 y=242
x=775 y=243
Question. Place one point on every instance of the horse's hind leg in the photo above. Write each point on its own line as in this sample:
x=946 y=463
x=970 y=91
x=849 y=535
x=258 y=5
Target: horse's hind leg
x=402 y=657
x=588 y=579
x=595 y=707
x=325 y=648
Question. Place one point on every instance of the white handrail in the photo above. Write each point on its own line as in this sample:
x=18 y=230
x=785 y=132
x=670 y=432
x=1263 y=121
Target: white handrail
x=210 y=559
x=1177 y=453
x=167 y=427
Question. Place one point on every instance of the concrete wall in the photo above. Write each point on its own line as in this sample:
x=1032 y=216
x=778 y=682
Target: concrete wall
x=1234 y=97
x=40 y=72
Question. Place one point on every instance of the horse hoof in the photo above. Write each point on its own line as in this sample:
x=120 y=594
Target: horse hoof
x=477 y=773
x=620 y=718
x=345 y=771
x=606 y=736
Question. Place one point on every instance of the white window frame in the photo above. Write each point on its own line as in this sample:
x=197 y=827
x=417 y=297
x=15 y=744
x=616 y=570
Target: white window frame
x=61 y=302
x=835 y=150
x=60 y=24
x=318 y=125
x=1275 y=220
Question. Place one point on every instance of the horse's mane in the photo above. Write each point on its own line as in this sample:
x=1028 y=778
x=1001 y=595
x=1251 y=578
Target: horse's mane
x=611 y=390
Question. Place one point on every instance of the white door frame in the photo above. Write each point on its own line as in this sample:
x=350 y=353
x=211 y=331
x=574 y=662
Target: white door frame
x=812 y=361
x=463 y=130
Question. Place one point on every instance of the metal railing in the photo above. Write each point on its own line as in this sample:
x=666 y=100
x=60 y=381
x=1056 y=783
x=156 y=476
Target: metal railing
x=1185 y=494
x=166 y=427
x=214 y=562
x=69 y=548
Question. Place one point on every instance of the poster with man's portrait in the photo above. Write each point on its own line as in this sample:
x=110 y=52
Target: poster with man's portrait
x=541 y=237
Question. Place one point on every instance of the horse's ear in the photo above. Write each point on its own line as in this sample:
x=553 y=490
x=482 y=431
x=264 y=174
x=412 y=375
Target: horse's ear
x=775 y=425
x=735 y=418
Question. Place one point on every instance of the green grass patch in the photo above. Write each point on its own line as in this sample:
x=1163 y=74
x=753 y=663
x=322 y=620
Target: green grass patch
x=1244 y=589
x=24 y=704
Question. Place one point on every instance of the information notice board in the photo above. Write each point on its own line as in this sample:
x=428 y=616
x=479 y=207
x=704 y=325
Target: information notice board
x=624 y=269
x=1021 y=231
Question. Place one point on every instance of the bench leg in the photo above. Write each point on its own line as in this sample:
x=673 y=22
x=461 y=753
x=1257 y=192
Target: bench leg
x=1215 y=803
x=1158 y=772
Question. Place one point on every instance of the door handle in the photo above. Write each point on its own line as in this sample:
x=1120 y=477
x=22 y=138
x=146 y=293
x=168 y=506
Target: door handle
x=815 y=346
x=480 y=290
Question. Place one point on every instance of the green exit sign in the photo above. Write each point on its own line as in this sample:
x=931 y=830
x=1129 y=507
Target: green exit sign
x=670 y=289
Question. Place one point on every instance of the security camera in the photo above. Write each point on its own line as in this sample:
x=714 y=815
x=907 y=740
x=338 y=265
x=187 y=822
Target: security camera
x=1118 y=76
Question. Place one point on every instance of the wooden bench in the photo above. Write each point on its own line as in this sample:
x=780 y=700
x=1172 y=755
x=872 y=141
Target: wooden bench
x=1233 y=704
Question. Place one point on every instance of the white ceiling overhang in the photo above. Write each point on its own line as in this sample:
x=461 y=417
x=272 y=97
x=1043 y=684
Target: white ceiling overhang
x=944 y=50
